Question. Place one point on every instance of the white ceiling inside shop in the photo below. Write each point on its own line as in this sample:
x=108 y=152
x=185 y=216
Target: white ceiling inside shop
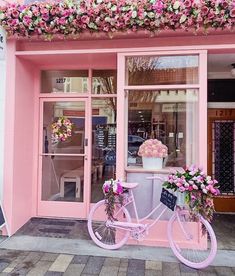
x=220 y=64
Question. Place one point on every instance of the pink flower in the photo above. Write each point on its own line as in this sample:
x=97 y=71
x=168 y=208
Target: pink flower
x=232 y=12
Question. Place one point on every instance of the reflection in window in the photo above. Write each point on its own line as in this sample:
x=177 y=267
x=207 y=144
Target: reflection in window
x=104 y=81
x=70 y=81
x=167 y=115
x=151 y=70
x=103 y=144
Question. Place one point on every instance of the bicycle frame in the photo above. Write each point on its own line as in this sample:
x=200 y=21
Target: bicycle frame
x=139 y=221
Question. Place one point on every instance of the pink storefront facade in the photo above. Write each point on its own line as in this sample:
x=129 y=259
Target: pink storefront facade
x=92 y=80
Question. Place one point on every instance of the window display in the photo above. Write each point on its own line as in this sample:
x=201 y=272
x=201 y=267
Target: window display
x=166 y=115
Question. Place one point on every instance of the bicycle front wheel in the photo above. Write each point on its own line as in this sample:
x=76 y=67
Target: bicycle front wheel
x=106 y=236
x=193 y=243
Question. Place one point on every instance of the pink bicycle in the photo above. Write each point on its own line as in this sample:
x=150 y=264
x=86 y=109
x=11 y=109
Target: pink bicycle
x=193 y=244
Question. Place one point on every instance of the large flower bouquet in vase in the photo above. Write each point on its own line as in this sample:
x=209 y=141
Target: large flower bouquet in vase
x=152 y=152
x=195 y=190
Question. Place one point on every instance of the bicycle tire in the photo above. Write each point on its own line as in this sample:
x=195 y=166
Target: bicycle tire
x=192 y=254
x=104 y=236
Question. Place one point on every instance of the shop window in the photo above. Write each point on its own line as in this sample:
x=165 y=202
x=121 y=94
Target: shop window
x=160 y=70
x=103 y=144
x=104 y=81
x=167 y=115
x=64 y=81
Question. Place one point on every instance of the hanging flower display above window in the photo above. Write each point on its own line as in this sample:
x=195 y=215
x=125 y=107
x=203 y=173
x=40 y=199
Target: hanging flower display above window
x=71 y=18
x=61 y=130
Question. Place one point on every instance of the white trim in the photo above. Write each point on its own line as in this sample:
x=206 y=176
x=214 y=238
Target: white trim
x=221 y=105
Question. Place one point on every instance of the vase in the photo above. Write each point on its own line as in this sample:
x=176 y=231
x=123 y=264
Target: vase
x=152 y=163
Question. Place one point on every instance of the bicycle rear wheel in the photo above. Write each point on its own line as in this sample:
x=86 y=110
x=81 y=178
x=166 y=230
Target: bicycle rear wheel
x=193 y=243
x=103 y=235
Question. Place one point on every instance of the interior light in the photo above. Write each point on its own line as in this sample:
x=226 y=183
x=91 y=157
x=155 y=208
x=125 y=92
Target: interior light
x=233 y=69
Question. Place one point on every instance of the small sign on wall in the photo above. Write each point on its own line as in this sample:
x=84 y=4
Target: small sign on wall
x=2 y=44
x=3 y=222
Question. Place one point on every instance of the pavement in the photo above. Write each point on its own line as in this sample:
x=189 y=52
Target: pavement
x=32 y=263
x=63 y=247
x=36 y=256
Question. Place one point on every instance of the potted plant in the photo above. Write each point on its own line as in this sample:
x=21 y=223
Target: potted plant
x=152 y=152
x=197 y=190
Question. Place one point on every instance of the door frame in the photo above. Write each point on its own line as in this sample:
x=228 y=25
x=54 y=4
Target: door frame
x=223 y=203
x=64 y=209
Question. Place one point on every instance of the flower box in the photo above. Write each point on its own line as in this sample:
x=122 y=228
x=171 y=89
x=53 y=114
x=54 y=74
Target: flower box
x=152 y=163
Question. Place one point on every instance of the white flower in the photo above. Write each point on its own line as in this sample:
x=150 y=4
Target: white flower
x=183 y=18
x=2 y=16
x=134 y=14
x=204 y=191
x=176 y=5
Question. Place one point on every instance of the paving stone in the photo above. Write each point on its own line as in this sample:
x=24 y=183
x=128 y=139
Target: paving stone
x=109 y=270
x=33 y=257
x=50 y=257
x=123 y=263
x=184 y=268
x=74 y=269
x=3 y=266
x=121 y=273
x=153 y=265
x=136 y=268
x=122 y=269
x=205 y=273
x=53 y=273
x=112 y=262
x=61 y=263
x=189 y=273
x=225 y=271
x=80 y=259
x=8 y=269
x=153 y=272
x=85 y=274
x=171 y=269
x=94 y=265
x=40 y=269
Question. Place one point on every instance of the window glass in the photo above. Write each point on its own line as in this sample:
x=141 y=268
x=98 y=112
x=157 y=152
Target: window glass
x=167 y=115
x=153 y=70
x=72 y=81
x=104 y=81
x=103 y=144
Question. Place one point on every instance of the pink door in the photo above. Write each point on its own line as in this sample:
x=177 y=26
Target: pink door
x=63 y=158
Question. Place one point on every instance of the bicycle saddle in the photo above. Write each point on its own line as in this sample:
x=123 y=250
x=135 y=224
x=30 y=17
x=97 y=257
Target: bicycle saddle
x=129 y=185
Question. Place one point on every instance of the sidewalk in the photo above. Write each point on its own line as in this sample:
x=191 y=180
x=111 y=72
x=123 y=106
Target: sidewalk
x=16 y=263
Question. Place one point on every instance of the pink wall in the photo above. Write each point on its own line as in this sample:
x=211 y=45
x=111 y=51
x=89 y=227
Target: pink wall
x=19 y=141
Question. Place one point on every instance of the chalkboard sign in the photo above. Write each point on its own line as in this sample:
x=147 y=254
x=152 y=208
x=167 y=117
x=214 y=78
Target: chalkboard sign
x=168 y=199
x=2 y=218
x=110 y=158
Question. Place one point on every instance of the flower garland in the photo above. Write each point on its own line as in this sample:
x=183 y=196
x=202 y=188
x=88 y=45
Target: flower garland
x=153 y=148
x=113 y=192
x=199 y=190
x=61 y=130
x=74 y=17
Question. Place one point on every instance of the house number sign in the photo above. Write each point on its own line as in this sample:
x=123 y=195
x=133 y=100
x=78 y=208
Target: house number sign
x=2 y=44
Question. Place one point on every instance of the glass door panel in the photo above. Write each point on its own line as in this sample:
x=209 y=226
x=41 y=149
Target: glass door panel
x=63 y=157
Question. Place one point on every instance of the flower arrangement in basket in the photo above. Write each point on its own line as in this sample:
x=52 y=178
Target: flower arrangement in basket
x=113 y=193
x=61 y=130
x=198 y=189
x=153 y=148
